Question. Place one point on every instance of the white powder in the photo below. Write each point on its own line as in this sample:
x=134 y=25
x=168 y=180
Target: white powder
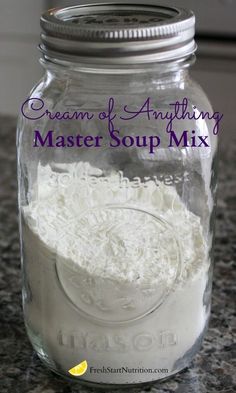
x=101 y=254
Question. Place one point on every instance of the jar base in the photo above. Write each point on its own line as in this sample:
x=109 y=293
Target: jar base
x=179 y=366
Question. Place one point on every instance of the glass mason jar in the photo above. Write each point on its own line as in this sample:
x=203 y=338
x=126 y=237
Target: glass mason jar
x=116 y=199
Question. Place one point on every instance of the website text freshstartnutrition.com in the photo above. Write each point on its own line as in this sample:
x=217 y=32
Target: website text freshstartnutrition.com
x=127 y=370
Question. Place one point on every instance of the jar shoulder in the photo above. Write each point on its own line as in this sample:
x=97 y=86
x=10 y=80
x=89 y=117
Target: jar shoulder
x=198 y=93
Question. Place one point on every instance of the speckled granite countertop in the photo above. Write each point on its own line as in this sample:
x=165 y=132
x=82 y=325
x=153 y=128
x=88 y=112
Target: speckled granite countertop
x=213 y=369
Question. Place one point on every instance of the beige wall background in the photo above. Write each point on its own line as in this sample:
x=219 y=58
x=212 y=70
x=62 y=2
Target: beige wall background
x=19 y=37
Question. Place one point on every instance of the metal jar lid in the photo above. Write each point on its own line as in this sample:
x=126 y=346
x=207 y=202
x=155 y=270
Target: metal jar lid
x=118 y=33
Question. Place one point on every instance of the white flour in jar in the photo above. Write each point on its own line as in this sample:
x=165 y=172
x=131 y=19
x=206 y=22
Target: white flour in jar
x=117 y=271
